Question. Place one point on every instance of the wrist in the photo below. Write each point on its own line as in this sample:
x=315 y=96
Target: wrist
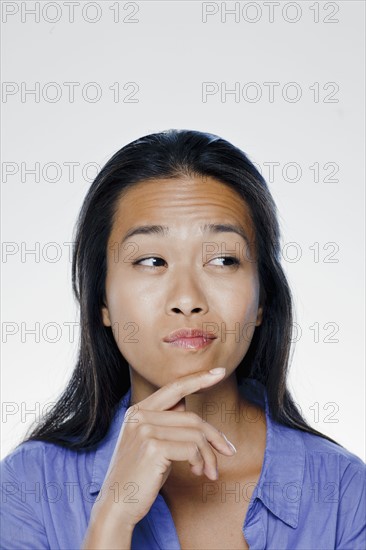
x=112 y=515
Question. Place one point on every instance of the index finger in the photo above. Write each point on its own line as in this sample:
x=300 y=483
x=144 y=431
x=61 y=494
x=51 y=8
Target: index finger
x=170 y=394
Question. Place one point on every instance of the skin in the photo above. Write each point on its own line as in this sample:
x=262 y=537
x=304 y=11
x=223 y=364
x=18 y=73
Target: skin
x=162 y=432
x=188 y=288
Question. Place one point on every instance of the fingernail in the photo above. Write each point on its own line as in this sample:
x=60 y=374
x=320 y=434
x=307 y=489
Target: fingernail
x=229 y=443
x=217 y=370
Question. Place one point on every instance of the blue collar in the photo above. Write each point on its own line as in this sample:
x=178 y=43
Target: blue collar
x=281 y=480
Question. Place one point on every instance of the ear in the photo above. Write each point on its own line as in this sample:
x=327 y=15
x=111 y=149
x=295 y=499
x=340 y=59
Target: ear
x=259 y=316
x=105 y=317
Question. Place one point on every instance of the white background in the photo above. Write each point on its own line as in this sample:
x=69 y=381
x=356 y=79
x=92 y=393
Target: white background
x=169 y=52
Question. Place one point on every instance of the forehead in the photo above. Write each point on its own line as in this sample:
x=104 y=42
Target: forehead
x=181 y=202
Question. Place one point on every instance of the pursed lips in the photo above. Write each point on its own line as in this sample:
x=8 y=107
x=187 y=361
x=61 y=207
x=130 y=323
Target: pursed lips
x=189 y=333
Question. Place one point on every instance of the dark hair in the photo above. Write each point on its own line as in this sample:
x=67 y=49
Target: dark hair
x=83 y=413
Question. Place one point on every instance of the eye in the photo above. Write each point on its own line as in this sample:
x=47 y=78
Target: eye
x=138 y=262
x=234 y=260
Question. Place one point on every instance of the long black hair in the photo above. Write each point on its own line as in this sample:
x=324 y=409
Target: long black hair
x=83 y=413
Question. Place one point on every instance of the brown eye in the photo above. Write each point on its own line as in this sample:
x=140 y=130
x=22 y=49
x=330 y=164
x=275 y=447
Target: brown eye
x=232 y=259
x=138 y=262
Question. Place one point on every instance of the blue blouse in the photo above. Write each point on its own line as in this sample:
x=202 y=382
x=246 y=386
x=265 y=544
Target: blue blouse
x=310 y=493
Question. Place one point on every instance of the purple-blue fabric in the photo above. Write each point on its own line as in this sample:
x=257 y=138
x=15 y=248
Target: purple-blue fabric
x=311 y=493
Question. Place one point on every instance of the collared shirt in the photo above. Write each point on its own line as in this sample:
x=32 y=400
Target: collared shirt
x=311 y=493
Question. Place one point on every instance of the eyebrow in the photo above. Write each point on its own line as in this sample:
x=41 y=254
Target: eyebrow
x=163 y=230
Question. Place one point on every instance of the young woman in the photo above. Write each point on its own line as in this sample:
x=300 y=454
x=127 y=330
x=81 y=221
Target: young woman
x=177 y=429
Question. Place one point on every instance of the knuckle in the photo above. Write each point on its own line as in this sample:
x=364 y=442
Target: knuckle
x=194 y=417
x=145 y=430
x=194 y=451
x=132 y=414
x=151 y=447
x=130 y=410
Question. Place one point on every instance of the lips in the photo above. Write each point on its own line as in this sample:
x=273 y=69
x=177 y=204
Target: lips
x=188 y=333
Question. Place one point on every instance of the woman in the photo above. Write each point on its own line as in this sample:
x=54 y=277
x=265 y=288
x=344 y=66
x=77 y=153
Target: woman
x=176 y=267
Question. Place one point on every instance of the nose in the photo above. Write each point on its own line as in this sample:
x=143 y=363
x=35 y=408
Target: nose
x=186 y=296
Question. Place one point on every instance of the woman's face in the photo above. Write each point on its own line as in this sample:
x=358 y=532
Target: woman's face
x=157 y=283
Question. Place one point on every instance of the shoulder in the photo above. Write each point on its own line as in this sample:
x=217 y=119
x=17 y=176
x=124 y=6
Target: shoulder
x=34 y=454
x=28 y=457
x=31 y=449
x=23 y=479
x=337 y=479
x=330 y=483
x=34 y=457
x=329 y=471
x=330 y=455
x=38 y=465
x=39 y=487
x=332 y=464
x=315 y=462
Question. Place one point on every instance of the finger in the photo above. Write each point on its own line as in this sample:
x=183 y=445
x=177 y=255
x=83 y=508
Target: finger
x=187 y=420
x=170 y=394
x=181 y=451
x=171 y=433
x=181 y=406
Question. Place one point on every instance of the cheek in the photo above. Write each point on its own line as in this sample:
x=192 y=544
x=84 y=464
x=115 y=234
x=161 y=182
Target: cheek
x=244 y=300
x=241 y=315
x=121 y=306
x=132 y=313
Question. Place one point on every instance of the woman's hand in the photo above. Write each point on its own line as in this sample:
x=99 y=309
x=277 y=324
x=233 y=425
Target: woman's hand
x=155 y=432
